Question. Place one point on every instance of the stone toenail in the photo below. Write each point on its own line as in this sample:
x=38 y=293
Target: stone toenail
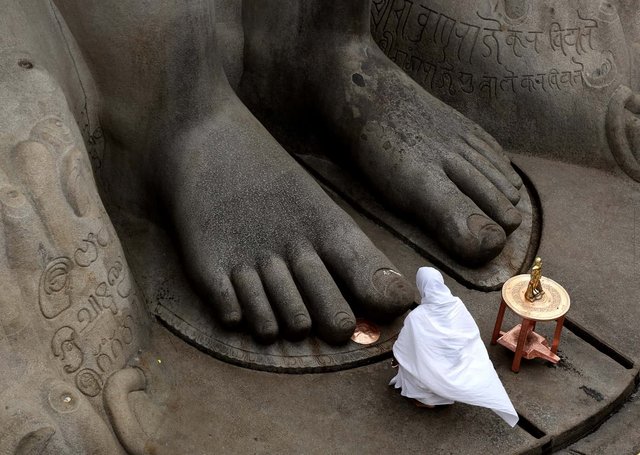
x=344 y=321
x=490 y=229
x=269 y=328
x=513 y=216
x=382 y=278
x=477 y=223
x=12 y=199
x=301 y=320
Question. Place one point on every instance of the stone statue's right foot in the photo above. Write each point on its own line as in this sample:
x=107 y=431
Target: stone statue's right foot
x=261 y=240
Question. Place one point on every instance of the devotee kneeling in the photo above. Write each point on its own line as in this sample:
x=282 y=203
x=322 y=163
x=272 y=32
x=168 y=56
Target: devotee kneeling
x=441 y=357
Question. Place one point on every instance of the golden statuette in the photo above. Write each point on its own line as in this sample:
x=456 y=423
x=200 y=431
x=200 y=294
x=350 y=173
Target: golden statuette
x=534 y=289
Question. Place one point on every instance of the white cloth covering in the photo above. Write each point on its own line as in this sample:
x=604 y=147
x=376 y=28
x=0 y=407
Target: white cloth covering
x=441 y=356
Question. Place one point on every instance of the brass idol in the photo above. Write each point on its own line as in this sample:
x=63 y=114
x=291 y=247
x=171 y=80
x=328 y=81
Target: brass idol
x=534 y=289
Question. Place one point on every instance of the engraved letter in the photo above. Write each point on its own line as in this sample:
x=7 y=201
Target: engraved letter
x=64 y=347
x=556 y=38
x=54 y=288
x=488 y=86
x=87 y=255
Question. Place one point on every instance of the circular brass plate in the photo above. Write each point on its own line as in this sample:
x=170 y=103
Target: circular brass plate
x=365 y=333
x=554 y=303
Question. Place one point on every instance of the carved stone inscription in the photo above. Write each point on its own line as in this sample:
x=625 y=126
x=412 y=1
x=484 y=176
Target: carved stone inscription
x=488 y=54
x=89 y=301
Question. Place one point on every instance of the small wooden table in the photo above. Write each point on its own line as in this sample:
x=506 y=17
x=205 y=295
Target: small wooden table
x=522 y=339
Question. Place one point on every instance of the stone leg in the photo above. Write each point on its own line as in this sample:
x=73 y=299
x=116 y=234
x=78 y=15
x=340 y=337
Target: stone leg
x=70 y=313
x=313 y=65
x=259 y=238
x=568 y=67
x=62 y=251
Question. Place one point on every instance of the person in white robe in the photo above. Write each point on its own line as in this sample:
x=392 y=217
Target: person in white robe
x=441 y=357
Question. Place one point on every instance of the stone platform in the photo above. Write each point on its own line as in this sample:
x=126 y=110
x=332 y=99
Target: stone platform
x=590 y=242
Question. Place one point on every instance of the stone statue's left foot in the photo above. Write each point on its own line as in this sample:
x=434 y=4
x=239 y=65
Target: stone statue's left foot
x=420 y=155
x=623 y=115
x=623 y=130
x=569 y=67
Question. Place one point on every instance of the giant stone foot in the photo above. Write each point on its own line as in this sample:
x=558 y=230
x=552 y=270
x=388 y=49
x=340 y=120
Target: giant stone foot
x=566 y=66
x=261 y=242
x=418 y=154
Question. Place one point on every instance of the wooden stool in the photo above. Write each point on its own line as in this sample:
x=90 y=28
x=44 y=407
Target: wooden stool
x=522 y=339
